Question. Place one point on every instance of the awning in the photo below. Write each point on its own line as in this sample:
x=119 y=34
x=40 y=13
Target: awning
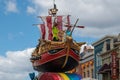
x=104 y=69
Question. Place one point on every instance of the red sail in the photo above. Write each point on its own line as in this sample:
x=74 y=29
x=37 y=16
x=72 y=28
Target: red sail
x=47 y=20
x=59 y=21
x=49 y=25
x=42 y=26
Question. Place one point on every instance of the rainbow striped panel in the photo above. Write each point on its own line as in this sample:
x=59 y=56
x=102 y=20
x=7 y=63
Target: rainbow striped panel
x=59 y=76
x=64 y=76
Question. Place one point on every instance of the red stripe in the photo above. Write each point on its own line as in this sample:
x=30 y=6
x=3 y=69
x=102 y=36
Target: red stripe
x=74 y=55
x=42 y=26
x=80 y=26
x=59 y=21
x=49 y=76
x=49 y=25
x=46 y=57
x=68 y=20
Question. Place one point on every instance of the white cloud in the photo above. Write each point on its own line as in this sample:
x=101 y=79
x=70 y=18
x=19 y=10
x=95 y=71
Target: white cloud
x=101 y=17
x=21 y=33
x=16 y=65
x=30 y=10
x=12 y=36
x=11 y=6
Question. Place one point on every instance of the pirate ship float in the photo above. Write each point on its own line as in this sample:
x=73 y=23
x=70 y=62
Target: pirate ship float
x=56 y=51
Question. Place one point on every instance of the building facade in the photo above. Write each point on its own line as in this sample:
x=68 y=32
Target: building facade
x=86 y=67
x=106 y=53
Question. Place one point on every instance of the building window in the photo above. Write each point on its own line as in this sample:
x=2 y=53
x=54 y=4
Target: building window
x=98 y=48
x=92 y=72
x=84 y=75
x=108 y=44
x=115 y=40
x=88 y=74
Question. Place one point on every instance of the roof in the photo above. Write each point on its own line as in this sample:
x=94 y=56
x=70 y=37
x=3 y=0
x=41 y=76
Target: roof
x=87 y=55
x=103 y=39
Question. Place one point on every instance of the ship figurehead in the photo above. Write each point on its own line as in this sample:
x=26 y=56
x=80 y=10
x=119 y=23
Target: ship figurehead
x=56 y=50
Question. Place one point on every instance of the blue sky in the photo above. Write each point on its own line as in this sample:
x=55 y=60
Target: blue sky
x=18 y=37
x=17 y=32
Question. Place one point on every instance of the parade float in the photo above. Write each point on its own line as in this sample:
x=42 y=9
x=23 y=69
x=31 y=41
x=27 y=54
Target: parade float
x=57 y=55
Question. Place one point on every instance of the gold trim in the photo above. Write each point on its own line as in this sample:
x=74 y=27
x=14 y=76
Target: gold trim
x=46 y=45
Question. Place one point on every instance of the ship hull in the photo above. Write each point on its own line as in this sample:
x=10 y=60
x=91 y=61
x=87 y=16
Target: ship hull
x=56 y=56
x=56 y=65
x=57 y=62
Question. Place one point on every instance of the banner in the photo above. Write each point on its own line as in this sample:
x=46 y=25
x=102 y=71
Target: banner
x=114 y=66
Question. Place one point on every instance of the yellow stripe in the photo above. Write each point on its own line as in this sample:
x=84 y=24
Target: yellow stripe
x=64 y=76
